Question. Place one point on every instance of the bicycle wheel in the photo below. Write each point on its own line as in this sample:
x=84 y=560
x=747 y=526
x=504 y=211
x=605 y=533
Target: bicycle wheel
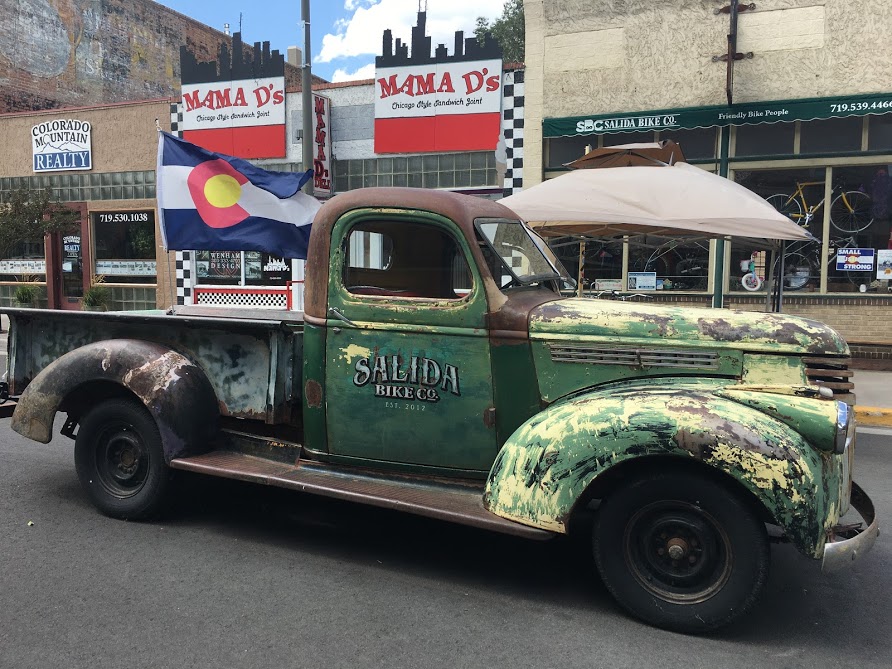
x=751 y=281
x=799 y=269
x=648 y=263
x=788 y=205
x=693 y=272
x=850 y=212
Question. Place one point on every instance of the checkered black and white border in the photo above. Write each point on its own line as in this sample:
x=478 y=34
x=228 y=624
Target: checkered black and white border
x=512 y=129
x=183 y=258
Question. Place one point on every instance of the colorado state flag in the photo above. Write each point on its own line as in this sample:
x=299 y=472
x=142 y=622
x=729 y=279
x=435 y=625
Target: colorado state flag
x=209 y=201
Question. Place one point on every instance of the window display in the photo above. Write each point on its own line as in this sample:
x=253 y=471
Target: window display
x=124 y=243
x=241 y=268
x=850 y=227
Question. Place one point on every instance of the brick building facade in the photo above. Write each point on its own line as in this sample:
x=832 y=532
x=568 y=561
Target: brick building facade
x=75 y=53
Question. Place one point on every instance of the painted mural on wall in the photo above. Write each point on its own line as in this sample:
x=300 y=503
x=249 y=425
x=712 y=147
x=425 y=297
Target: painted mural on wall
x=56 y=53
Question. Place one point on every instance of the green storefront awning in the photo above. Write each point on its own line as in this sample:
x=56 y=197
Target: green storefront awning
x=706 y=117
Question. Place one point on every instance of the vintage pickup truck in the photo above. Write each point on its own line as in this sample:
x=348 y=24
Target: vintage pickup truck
x=437 y=369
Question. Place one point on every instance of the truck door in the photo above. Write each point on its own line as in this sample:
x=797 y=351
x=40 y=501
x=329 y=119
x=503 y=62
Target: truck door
x=408 y=374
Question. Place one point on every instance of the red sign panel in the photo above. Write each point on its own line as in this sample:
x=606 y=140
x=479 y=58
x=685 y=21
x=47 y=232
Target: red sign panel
x=452 y=106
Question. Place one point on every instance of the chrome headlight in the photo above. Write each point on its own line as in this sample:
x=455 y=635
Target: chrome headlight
x=845 y=424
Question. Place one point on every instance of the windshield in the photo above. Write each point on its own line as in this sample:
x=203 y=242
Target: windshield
x=525 y=258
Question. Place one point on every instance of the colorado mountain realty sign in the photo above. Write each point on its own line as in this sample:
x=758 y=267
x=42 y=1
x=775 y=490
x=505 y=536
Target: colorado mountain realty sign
x=62 y=145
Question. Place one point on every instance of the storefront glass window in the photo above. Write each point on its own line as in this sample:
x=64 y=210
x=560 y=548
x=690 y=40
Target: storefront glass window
x=124 y=243
x=677 y=265
x=797 y=194
x=618 y=138
x=766 y=139
x=562 y=150
x=859 y=224
x=858 y=235
x=696 y=144
x=832 y=135
x=26 y=262
x=602 y=261
x=219 y=268
x=879 y=132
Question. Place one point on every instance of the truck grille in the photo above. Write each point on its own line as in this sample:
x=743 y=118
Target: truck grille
x=633 y=357
x=831 y=373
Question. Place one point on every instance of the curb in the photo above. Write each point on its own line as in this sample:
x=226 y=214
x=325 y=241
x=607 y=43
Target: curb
x=874 y=416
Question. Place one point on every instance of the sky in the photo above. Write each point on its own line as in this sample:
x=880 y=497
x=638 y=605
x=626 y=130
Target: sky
x=345 y=34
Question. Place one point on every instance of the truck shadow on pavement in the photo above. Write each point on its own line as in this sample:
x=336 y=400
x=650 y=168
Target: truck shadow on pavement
x=800 y=605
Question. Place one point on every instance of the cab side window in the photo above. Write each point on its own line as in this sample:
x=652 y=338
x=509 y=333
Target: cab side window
x=405 y=259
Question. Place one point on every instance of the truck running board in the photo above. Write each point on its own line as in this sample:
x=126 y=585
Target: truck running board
x=451 y=502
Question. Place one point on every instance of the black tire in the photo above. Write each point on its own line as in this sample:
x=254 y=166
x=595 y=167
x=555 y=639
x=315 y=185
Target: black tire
x=681 y=552
x=120 y=460
x=788 y=205
x=850 y=212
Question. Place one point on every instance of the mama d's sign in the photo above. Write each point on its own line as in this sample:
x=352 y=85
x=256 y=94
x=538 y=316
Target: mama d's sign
x=62 y=145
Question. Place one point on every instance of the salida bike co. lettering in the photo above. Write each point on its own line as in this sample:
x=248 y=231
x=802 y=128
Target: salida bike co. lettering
x=421 y=379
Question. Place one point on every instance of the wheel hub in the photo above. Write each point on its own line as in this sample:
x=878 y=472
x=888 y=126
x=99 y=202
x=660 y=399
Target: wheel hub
x=677 y=551
x=121 y=461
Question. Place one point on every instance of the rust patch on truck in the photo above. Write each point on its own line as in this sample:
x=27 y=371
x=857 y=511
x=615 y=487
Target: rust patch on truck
x=313 y=393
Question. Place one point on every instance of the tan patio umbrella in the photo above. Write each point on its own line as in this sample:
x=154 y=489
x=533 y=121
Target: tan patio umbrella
x=665 y=152
x=674 y=201
x=678 y=201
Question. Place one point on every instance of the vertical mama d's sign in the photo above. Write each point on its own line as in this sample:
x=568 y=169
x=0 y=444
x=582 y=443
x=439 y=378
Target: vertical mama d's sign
x=437 y=103
x=321 y=146
x=235 y=106
x=62 y=145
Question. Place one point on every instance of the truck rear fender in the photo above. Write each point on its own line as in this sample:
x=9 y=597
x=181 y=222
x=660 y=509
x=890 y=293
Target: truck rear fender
x=555 y=461
x=174 y=390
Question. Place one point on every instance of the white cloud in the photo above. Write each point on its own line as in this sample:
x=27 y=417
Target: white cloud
x=364 y=72
x=360 y=35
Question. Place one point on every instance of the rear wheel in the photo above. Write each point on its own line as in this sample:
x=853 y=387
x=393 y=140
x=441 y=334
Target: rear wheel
x=120 y=460
x=850 y=212
x=681 y=552
x=788 y=205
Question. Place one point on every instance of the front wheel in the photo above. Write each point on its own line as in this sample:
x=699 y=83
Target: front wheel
x=681 y=552
x=120 y=460
x=751 y=281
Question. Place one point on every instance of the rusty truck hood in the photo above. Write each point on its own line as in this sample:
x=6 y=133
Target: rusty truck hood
x=635 y=324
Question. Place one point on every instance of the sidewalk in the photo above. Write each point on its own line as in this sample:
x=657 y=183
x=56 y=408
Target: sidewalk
x=873 y=392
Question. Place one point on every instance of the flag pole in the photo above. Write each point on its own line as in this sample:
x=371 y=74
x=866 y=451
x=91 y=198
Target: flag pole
x=307 y=97
x=171 y=282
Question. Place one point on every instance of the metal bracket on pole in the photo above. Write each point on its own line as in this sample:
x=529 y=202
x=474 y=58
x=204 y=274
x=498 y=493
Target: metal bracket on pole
x=740 y=8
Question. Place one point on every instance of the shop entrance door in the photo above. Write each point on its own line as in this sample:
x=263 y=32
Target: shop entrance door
x=67 y=273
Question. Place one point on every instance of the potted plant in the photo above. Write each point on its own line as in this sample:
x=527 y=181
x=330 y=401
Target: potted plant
x=96 y=298
x=26 y=296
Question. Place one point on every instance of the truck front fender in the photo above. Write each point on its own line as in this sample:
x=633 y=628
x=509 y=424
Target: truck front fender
x=548 y=464
x=174 y=390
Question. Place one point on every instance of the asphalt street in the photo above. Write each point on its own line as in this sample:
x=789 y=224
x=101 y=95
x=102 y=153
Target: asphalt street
x=247 y=576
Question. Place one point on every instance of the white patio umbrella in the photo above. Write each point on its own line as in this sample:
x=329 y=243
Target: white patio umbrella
x=677 y=201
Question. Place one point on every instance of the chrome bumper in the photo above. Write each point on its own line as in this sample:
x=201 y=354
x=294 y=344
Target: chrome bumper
x=847 y=544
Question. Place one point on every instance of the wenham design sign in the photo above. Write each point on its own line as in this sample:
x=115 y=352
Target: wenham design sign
x=453 y=106
x=62 y=145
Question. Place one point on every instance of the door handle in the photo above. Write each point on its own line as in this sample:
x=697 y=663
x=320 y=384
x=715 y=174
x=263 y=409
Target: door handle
x=334 y=311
